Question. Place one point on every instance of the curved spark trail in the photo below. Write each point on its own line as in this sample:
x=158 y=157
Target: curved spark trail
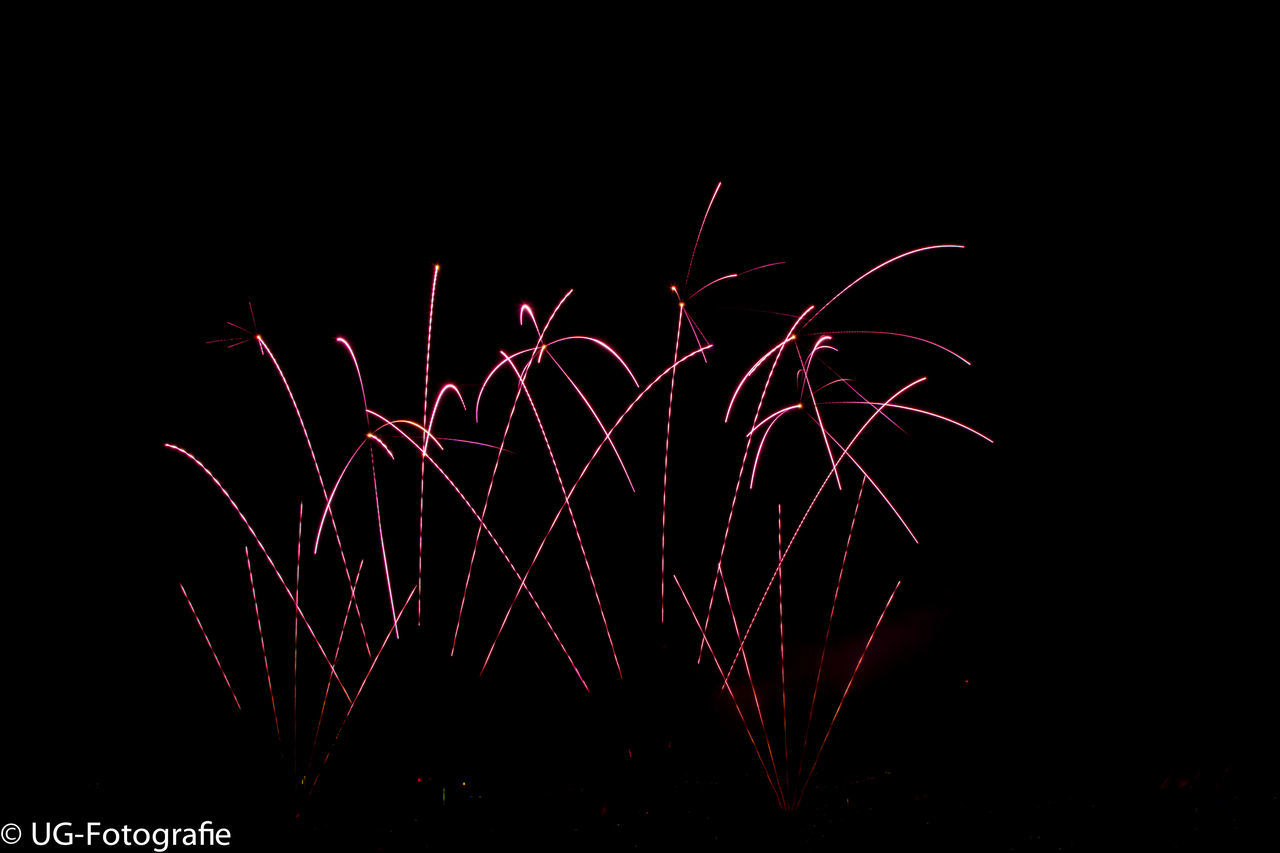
x=210 y=644
x=718 y=577
x=697 y=239
x=881 y=266
x=484 y=508
x=666 y=457
x=422 y=474
x=373 y=474
x=900 y=335
x=555 y=466
x=843 y=453
x=595 y=417
x=583 y=473
x=270 y=562
x=262 y=345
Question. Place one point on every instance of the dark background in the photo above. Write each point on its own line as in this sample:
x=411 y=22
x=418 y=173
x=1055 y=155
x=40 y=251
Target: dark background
x=1079 y=646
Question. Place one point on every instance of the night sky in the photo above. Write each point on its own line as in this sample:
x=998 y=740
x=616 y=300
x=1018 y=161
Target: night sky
x=1073 y=650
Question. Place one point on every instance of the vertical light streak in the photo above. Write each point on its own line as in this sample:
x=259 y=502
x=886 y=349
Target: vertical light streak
x=377 y=507
x=422 y=474
x=880 y=266
x=209 y=643
x=270 y=562
x=275 y=715
x=826 y=442
x=666 y=455
x=262 y=345
x=555 y=466
x=484 y=508
x=782 y=662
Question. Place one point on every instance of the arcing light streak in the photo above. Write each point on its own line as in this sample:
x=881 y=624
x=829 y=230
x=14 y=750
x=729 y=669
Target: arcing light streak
x=595 y=417
x=210 y=644
x=880 y=266
x=818 y=411
x=843 y=453
x=689 y=272
x=493 y=476
x=911 y=409
x=718 y=576
x=782 y=662
x=583 y=473
x=262 y=345
x=422 y=473
x=769 y=419
x=901 y=335
x=555 y=466
x=270 y=562
x=734 y=275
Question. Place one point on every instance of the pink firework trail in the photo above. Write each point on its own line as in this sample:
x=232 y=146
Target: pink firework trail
x=275 y=716
x=209 y=643
x=789 y=781
x=426 y=395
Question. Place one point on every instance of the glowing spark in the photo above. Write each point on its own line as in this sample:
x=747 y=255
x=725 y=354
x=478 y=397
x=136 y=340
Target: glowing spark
x=381 y=444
